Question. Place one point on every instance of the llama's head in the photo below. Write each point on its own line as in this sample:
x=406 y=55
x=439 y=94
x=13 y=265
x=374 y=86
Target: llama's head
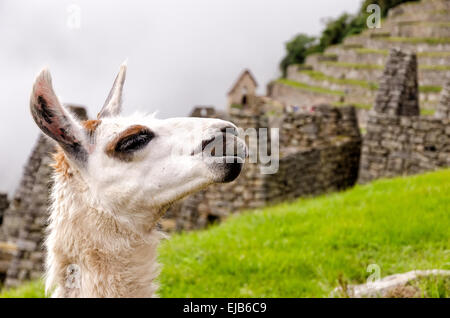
x=138 y=163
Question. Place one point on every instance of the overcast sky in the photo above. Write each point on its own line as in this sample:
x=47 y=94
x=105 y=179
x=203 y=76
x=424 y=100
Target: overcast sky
x=180 y=53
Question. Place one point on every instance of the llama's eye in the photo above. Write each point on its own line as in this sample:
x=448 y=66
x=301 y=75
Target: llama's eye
x=134 y=142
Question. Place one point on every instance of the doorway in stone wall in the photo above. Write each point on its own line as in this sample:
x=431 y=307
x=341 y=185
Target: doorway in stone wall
x=244 y=96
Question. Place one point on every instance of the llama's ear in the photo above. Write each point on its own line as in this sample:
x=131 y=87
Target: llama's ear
x=113 y=104
x=54 y=120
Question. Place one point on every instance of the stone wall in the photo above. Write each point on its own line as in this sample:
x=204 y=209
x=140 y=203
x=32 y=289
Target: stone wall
x=26 y=218
x=315 y=171
x=299 y=97
x=399 y=92
x=398 y=141
x=316 y=126
x=402 y=145
x=203 y=111
x=443 y=110
x=6 y=253
x=25 y=196
x=4 y=203
x=421 y=30
x=431 y=10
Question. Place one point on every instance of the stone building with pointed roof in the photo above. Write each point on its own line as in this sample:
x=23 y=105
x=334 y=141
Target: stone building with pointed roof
x=242 y=90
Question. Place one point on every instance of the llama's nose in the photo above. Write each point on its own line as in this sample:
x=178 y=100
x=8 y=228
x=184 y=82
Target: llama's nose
x=229 y=129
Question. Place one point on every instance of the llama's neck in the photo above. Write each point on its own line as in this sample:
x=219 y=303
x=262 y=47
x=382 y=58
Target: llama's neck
x=91 y=252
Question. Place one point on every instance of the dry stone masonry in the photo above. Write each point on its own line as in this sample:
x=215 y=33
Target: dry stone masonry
x=443 y=110
x=23 y=227
x=6 y=253
x=398 y=94
x=398 y=141
x=25 y=220
x=4 y=203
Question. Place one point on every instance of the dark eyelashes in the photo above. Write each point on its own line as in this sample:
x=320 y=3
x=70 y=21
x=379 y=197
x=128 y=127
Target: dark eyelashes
x=134 y=142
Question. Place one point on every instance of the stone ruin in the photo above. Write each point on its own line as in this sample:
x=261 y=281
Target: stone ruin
x=244 y=87
x=5 y=252
x=398 y=94
x=443 y=109
x=203 y=111
x=320 y=148
x=399 y=141
x=4 y=203
x=24 y=221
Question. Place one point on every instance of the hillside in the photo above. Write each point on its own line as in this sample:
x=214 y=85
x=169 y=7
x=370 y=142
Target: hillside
x=348 y=73
x=304 y=248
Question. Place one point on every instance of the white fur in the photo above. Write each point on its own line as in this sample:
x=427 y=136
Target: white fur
x=104 y=210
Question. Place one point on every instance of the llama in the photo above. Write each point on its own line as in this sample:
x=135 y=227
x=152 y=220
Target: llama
x=114 y=177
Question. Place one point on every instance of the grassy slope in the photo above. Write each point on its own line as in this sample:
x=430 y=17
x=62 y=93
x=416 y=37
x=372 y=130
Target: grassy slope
x=319 y=76
x=363 y=66
x=310 y=88
x=29 y=290
x=300 y=249
x=430 y=41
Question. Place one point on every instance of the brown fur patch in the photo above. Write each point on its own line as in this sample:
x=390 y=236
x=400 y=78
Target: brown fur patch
x=111 y=146
x=61 y=165
x=91 y=125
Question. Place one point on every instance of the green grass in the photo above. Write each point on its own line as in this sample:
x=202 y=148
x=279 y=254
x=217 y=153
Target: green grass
x=430 y=41
x=425 y=23
x=303 y=248
x=427 y=112
x=362 y=66
x=372 y=51
x=331 y=55
x=319 y=76
x=433 y=287
x=357 y=66
x=435 y=67
x=238 y=106
x=386 y=53
x=300 y=249
x=434 y=54
x=33 y=289
x=430 y=89
x=310 y=88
